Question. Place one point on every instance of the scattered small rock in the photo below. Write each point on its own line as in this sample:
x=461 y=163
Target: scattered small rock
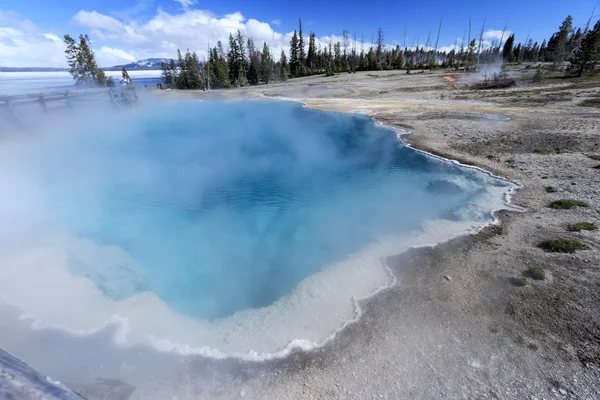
x=446 y=277
x=550 y=189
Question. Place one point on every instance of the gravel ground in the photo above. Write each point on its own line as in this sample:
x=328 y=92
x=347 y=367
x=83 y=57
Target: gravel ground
x=458 y=325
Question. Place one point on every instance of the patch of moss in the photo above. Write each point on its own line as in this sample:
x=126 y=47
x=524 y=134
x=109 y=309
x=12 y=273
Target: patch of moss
x=536 y=273
x=562 y=245
x=567 y=204
x=520 y=281
x=561 y=151
x=582 y=226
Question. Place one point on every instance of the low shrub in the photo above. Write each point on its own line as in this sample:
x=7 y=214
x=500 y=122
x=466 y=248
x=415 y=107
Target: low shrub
x=567 y=204
x=582 y=226
x=562 y=245
x=536 y=273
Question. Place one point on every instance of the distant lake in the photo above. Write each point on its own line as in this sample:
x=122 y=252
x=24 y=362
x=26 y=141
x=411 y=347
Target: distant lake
x=12 y=83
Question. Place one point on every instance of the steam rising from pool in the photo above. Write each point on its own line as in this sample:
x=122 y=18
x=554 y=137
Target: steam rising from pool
x=220 y=227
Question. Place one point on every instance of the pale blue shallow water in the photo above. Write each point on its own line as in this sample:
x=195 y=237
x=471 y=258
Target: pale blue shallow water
x=229 y=205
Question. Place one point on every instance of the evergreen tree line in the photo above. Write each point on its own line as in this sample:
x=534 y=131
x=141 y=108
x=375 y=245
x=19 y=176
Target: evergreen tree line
x=244 y=64
x=579 y=47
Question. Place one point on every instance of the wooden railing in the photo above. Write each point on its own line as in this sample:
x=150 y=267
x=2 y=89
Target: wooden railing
x=70 y=99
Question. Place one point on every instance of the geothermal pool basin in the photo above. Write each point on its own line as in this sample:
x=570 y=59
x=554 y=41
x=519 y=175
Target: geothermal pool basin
x=243 y=228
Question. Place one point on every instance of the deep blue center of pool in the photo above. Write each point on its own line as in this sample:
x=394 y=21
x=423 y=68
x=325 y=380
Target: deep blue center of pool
x=229 y=205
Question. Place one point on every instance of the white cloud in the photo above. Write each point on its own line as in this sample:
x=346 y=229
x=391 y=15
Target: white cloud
x=109 y=56
x=186 y=4
x=117 y=40
x=22 y=44
x=162 y=35
x=97 y=22
x=496 y=35
x=276 y=22
x=53 y=37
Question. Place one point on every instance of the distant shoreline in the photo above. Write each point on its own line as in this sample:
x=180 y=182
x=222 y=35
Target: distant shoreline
x=50 y=69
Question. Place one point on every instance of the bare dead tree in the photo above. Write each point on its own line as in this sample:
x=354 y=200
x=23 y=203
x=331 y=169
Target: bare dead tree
x=437 y=41
x=468 y=44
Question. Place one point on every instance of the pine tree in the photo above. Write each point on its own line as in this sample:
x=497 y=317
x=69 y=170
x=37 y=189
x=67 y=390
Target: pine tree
x=182 y=76
x=254 y=73
x=337 y=57
x=82 y=62
x=284 y=71
x=166 y=73
x=243 y=60
x=266 y=64
x=398 y=60
x=517 y=52
x=371 y=60
x=174 y=73
x=294 y=56
x=588 y=55
x=301 y=51
x=311 y=57
x=100 y=77
x=219 y=74
x=194 y=77
x=559 y=42
x=379 y=52
x=507 y=51
x=543 y=51
x=233 y=57
x=471 y=54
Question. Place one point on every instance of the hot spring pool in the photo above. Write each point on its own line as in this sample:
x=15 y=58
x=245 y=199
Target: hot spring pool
x=220 y=227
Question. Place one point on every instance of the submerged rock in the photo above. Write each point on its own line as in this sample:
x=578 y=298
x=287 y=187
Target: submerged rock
x=114 y=271
x=441 y=186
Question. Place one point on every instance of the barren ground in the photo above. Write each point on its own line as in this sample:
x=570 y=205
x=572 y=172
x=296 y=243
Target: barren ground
x=457 y=325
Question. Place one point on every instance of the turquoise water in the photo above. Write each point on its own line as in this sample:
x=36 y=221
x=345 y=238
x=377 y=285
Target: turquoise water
x=225 y=206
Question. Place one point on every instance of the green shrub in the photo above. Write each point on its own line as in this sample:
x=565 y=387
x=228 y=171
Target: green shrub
x=583 y=226
x=567 y=204
x=562 y=245
x=536 y=273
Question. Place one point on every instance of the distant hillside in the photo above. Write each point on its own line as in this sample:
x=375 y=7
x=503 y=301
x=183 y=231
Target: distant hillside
x=141 y=65
x=148 y=63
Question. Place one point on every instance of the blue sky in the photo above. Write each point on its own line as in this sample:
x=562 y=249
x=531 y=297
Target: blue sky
x=131 y=29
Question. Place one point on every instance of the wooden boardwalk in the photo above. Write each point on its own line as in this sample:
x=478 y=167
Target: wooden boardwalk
x=16 y=108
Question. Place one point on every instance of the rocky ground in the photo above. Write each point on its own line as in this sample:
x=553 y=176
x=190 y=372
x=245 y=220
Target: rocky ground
x=467 y=320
